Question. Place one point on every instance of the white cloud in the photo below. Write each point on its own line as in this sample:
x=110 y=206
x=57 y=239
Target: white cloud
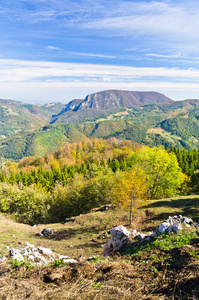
x=53 y=48
x=22 y=70
x=51 y=81
x=94 y=55
x=164 y=55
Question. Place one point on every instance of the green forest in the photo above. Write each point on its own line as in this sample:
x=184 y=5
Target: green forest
x=80 y=176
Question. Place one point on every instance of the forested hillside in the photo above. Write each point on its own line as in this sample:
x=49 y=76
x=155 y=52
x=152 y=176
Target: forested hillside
x=17 y=116
x=174 y=124
x=83 y=175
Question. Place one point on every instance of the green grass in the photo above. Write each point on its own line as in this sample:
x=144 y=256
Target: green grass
x=82 y=237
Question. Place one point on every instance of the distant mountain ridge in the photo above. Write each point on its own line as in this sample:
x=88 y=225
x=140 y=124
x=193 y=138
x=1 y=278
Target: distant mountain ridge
x=119 y=98
x=147 y=118
x=116 y=98
x=172 y=124
x=97 y=104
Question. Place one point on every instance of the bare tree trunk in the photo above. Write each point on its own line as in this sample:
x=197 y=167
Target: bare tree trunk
x=131 y=208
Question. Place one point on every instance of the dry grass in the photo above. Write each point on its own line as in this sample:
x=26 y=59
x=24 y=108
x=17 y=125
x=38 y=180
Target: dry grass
x=105 y=280
x=117 y=278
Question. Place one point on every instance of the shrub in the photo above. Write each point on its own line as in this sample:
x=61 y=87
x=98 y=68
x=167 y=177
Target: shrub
x=28 y=204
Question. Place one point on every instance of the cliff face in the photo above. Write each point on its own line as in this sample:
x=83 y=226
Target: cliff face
x=117 y=98
x=72 y=105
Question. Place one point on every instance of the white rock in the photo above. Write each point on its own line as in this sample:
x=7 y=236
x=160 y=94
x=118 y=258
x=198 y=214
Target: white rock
x=13 y=252
x=170 y=228
x=25 y=252
x=187 y=220
x=7 y=248
x=63 y=257
x=176 y=227
x=18 y=256
x=133 y=232
x=163 y=227
x=154 y=234
x=170 y=220
x=44 y=261
x=38 y=259
x=140 y=236
x=45 y=251
x=69 y=260
x=108 y=248
x=31 y=257
x=119 y=237
x=2 y=259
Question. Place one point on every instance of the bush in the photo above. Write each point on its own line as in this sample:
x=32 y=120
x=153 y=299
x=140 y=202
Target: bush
x=80 y=196
x=28 y=204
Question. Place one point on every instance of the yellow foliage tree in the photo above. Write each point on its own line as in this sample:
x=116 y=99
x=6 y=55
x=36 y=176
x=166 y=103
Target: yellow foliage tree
x=130 y=190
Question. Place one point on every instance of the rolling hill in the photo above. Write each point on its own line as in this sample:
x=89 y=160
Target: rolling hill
x=32 y=130
x=17 y=116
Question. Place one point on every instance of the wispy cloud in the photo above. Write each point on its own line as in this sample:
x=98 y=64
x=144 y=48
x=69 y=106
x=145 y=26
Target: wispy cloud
x=157 y=34
x=21 y=70
x=95 y=55
x=40 y=76
x=53 y=48
x=164 y=55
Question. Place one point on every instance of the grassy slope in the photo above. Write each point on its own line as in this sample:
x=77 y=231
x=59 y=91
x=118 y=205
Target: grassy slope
x=90 y=226
x=153 y=274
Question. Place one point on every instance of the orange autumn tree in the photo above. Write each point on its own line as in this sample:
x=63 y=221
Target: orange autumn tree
x=130 y=190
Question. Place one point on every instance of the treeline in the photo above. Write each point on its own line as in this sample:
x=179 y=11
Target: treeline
x=83 y=175
x=188 y=161
x=76 y=158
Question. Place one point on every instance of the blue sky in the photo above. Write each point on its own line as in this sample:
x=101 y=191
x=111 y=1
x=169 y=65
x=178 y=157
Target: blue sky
x=58 y=50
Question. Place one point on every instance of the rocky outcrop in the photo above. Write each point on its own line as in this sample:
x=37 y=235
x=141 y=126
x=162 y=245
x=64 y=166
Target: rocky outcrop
x=119 y=239
x=72 y=105
x=120 y=235
x=37 y=256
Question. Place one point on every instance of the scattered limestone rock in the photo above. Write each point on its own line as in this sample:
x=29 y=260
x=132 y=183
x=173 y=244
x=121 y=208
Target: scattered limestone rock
x=45 y=251
x=163 y=227
x=105 y=207
x=108 y=249
x=2 y=259
x=120 y=235
x=119 y=238
x=140 y=236
x=67 y=259
x=176 y=227
x=47 y=231
x=72 y=219
x=16 y=255
x=134 y=232
x=37 y=256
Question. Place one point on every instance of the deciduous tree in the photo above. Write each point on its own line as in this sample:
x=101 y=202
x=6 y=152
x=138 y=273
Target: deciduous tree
x=130 y=189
